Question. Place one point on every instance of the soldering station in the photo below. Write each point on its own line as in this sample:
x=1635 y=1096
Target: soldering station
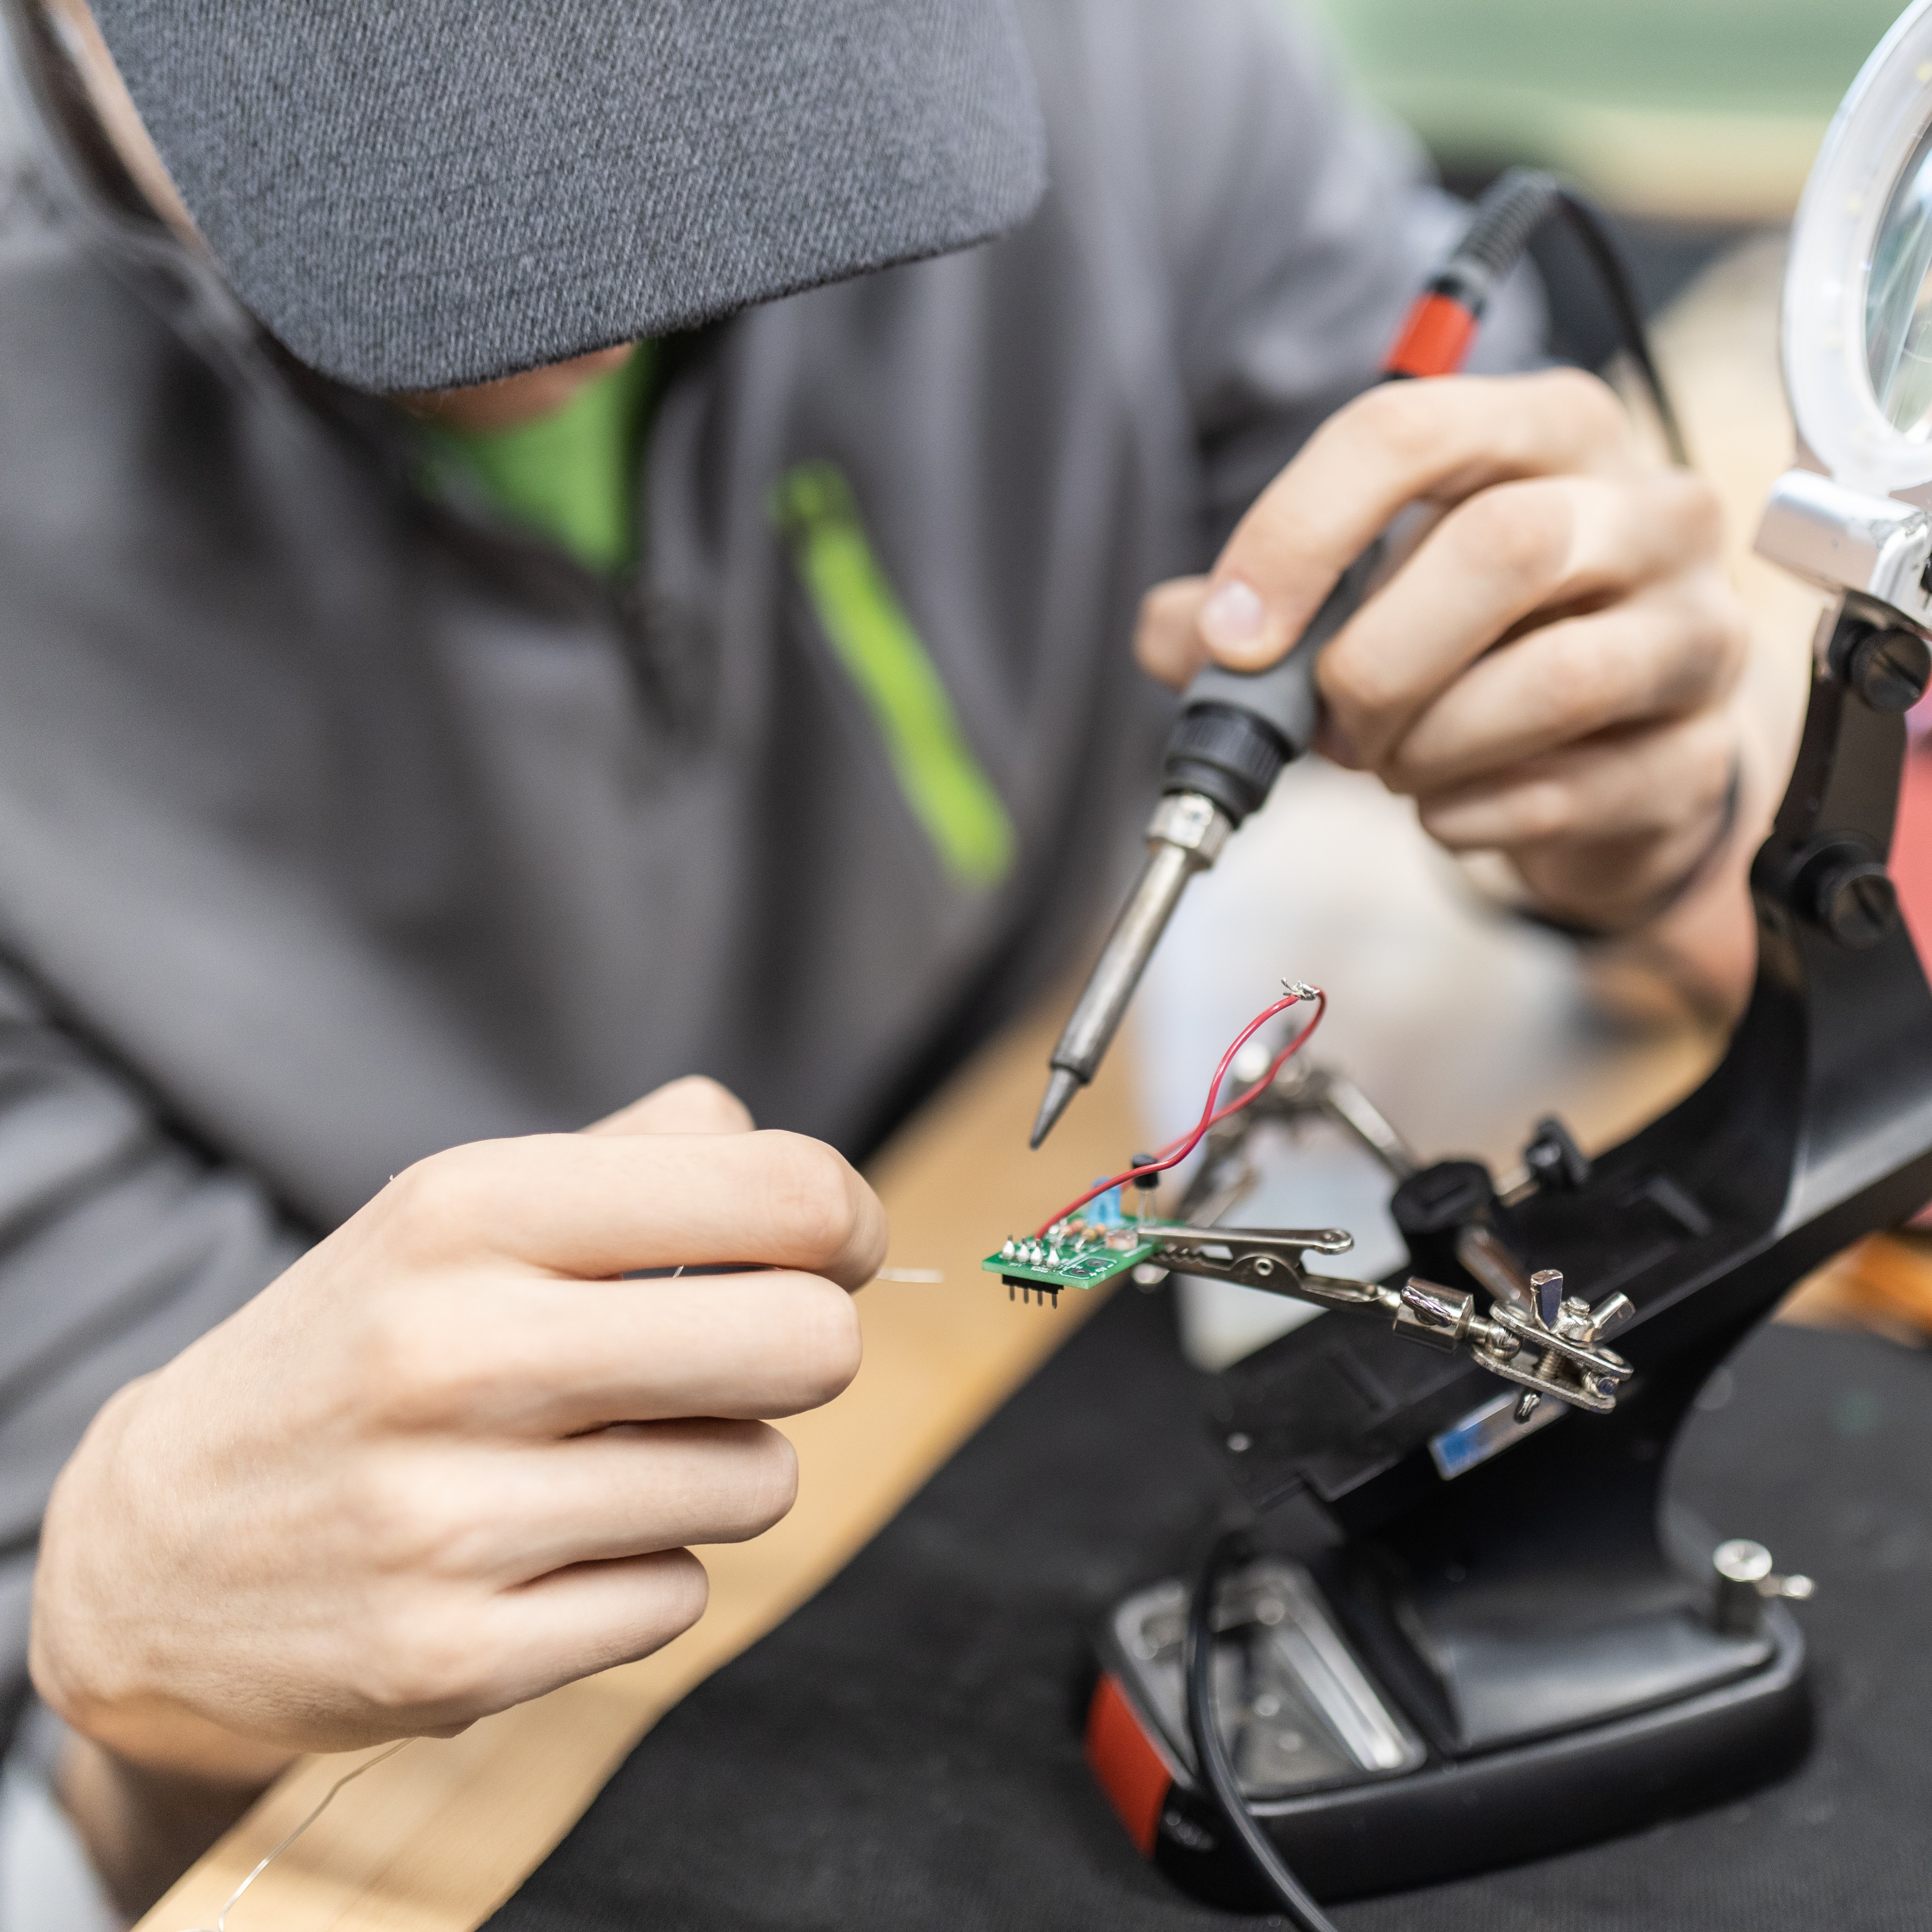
x=1512 y=1644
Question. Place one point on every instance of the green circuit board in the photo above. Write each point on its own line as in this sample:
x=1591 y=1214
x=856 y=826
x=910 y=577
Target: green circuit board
x=1078 y=1253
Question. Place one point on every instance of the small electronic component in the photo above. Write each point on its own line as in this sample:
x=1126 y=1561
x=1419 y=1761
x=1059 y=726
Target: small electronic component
x=1081 y=1252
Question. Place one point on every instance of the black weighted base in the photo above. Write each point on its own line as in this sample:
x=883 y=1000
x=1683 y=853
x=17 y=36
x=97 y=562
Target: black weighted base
x=904 y=1753
x=1447 y=1818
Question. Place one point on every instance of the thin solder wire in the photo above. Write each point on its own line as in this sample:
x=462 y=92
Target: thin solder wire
x=327 y=1799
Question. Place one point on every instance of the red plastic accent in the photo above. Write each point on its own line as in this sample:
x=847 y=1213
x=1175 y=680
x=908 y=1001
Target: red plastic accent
x=1911 y=861
x=1912 y=845
x=1123 y=1757
x=1434 y=339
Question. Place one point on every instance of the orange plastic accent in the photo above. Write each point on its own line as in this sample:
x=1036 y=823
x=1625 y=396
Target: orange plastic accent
x=1121 y=1756
x=1434 y=339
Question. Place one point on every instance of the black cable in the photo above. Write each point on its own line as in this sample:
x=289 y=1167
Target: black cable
x=1219 y=1780
x=1515 y=207
x=1588 y=225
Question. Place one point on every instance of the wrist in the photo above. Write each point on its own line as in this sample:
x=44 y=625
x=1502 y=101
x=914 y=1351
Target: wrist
x=1693 y=940
x=109 y=1667
x=142 y=1826
x=1631 y=888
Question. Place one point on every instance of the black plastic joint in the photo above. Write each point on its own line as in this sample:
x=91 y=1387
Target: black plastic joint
x=1431 y=1207
x=1231 y=756
x=1889 y=668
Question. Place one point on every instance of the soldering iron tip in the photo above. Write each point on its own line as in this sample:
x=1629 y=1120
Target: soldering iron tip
x=1059 y=1091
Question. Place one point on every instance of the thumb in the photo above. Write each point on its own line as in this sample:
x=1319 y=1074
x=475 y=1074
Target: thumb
x=695 y=1105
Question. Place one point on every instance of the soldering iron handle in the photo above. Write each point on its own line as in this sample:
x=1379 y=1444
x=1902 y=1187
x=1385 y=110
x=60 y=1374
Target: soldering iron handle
x=1284 y=696
x=1237 y=730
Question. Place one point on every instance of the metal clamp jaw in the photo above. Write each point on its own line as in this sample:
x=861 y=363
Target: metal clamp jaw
x=1269 y=1258
x=1534 y=1336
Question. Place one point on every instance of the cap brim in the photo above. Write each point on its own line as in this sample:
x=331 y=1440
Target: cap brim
x=414 y=197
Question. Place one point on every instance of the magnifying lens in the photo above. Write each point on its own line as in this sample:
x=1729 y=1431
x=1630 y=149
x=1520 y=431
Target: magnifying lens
x=1852 y=514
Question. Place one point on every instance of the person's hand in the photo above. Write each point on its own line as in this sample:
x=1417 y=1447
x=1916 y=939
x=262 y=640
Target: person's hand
x=1549 y=670
x=449 y=1460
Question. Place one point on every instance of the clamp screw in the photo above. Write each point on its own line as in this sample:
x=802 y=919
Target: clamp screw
x=1546 y=1287
x=1856 y=902
x=1890 y=669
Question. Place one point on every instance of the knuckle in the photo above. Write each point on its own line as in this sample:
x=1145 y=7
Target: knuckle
x=1541 y=811
x=1591 y=678
x=771 y=1481
x=1521 y=533
x=1698 y=512
x=420 y=1659
x=1714 y=756
x=1588 y=402
x=1398 y=421
x=438 y=1199
x=408 y=1364
x=395 y=1527
x=388 y=1349
x=1359 y=686
x=815 y=1195
x=1727 y=623
x=759 y=1481
x=677 y=1591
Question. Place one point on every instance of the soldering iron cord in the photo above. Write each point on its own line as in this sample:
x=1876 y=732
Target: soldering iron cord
x=1506 y=219
x=1218 y=1777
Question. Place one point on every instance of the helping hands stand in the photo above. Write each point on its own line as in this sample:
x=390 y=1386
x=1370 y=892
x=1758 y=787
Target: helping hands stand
x=1549 y=1644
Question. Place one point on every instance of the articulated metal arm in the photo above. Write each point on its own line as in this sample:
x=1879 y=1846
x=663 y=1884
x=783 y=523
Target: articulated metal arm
x=1533 y=1336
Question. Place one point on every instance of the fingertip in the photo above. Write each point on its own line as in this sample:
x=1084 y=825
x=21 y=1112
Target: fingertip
x=695 y=1104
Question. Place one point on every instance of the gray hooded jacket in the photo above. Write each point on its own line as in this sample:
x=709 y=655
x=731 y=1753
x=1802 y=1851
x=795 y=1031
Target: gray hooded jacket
x=337 y=825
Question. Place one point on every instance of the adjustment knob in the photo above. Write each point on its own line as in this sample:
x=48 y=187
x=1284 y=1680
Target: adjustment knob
x=1854 y=901
x=1889 y=669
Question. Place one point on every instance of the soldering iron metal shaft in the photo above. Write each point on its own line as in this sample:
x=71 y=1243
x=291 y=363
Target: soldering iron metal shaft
x=1184 y=837
x=1235 y=733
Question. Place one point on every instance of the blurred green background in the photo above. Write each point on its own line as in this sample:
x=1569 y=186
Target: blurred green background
x=1695 y=110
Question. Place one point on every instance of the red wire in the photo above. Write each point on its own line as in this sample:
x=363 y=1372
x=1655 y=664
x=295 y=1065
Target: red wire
x=1176 y=1151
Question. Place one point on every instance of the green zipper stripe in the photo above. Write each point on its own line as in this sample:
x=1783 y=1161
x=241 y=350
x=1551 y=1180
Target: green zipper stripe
x=866 y=625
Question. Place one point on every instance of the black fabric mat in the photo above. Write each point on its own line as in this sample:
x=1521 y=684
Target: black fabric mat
x=904 y=1752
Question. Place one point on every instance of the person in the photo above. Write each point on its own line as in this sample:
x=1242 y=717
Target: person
x=547 y=557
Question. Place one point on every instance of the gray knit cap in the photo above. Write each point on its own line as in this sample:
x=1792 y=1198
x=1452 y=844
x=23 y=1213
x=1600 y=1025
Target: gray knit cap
x=413 y=193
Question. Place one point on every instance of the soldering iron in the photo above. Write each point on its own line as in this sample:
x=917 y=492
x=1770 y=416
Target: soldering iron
x=1238 y=729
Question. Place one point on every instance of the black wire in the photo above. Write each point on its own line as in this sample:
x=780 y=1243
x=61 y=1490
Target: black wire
x=1518 y=204
x=1218 y=1777
x=1614 y=273
x=1589 y=227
